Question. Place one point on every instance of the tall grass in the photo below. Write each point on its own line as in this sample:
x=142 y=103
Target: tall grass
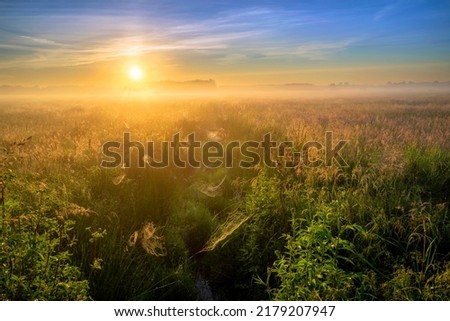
x=378 y=229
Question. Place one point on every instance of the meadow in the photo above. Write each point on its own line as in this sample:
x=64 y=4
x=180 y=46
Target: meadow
x=376 y=229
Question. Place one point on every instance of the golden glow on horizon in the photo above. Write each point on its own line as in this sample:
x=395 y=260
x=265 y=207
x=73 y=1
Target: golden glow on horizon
x=135 y=73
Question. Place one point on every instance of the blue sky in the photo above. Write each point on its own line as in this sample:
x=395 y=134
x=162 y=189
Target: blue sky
x=233 y=42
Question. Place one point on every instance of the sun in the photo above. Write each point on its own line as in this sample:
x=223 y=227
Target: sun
x=135 y=73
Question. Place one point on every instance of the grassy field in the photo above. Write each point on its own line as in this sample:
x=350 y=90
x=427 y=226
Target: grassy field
x=376 y=229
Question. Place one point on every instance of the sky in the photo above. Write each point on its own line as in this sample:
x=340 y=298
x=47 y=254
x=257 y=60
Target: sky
x=79 y=42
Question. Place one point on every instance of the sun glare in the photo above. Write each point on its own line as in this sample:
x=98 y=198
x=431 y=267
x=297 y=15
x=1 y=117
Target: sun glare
x=135 y=73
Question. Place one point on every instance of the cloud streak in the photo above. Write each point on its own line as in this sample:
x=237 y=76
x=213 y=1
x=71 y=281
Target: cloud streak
x=90 y=39
x=39 y=40
x=384 y=12
x=322 y=50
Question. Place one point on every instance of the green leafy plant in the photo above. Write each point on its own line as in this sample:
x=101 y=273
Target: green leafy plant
x=35 y=261
x=312 y=265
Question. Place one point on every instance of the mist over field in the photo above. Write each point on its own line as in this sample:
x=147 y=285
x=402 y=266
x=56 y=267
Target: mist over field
x=209 y=88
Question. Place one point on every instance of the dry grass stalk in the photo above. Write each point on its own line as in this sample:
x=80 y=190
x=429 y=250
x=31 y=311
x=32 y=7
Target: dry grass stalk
x=233 y=222
x=149 y=240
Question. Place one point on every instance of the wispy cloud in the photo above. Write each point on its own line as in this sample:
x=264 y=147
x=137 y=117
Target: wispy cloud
x=39 y=40
x=385 y=11
x=322 y=50
x=88 y=39
x=312 y=50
